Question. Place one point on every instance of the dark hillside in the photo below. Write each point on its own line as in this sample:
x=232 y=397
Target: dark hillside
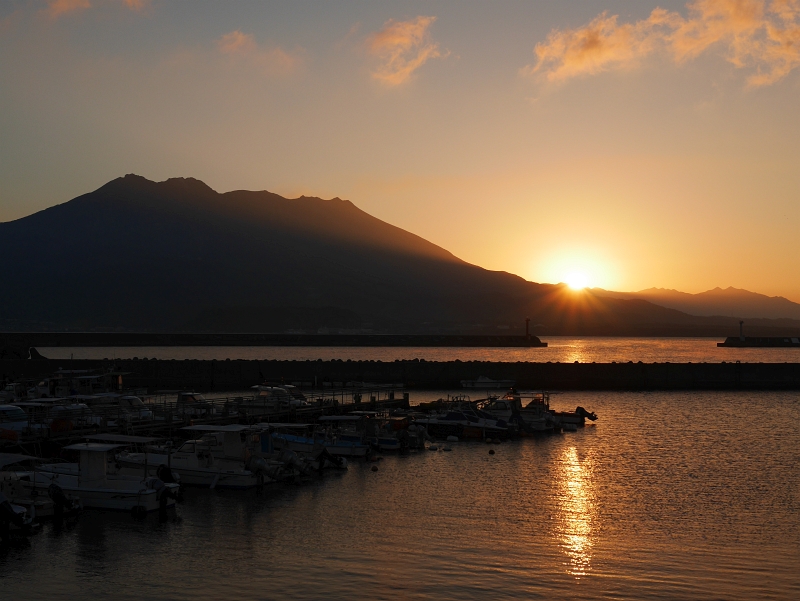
x=176 y=255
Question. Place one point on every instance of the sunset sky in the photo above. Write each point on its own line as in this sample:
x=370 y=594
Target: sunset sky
x=637 y=143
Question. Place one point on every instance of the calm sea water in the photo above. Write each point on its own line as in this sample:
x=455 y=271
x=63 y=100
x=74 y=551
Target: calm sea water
x=585 y=350
x=667 y=496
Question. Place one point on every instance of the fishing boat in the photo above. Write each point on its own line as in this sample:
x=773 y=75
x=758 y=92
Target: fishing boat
x=90 y=481
x=484 y=383
x=339 y=442
x=17 y=469
x=533 y=417
x=197 y=464
x=577 y=418
x=463 y=422
x=14 y=517
x=381 y=433
x=351 y=435
x=271 y=399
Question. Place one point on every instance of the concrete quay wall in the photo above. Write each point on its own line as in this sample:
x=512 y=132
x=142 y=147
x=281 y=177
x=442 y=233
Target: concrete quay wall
x=229 y=375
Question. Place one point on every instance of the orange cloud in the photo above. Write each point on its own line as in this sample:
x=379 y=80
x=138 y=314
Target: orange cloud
x=56 y=8
x=403 y=47
x=237 y=42
x=242 y=47
x=755 y=34
x=136 y=4
x=10 y=21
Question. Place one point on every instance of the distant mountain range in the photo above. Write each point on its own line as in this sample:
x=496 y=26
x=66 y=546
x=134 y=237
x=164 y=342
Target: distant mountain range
x=137 y=255
x=730 y=302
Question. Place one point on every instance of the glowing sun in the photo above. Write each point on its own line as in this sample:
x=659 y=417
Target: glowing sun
x=577 y=280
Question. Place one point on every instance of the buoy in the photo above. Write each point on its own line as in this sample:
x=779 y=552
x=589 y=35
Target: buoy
x=433 y=447
x=452 y=438
x=374 y=468
x=491 y=451
x=447 y=449
x=488 y=441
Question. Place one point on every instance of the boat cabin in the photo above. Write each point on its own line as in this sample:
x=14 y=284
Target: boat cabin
x=93 y=461
x=232 y=440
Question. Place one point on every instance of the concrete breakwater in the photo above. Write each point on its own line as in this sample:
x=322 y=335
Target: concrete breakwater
x=24 y=340
x=231 y=375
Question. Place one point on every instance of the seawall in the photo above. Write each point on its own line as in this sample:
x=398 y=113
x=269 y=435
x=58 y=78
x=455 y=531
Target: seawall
x=44 y=339
x=231 y=375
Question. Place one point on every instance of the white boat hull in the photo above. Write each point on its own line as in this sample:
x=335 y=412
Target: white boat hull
x=118 y=492
x=216 y=475
x=300 y=444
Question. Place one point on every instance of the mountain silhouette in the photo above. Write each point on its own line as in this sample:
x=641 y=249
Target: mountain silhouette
x=138 y=255
x=731 y=302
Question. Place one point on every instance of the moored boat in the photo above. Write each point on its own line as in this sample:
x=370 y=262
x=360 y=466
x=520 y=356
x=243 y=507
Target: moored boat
x=533 y=417
x=90 y=481
x=484 y=383
x=197 y=464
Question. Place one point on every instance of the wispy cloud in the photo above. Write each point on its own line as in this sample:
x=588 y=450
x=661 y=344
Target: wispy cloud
x=10 y=21
x=242 y=47
x=755 y=34
x=136 y=4
x=58 y=8
x=402 y=47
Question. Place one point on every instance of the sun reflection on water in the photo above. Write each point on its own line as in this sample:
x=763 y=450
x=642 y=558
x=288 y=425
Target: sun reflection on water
x=578 y=351
x=576 y=510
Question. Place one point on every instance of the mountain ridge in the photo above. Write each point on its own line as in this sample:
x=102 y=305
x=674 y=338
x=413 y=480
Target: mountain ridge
x=138 y=255
x=727 y=302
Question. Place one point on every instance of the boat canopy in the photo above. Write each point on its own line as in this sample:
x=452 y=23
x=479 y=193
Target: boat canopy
x=120 y=438
x=92 y=446
x=282 y=425
x=212 y=428
x=12 y=458
x=44 y=402
x=341 y=418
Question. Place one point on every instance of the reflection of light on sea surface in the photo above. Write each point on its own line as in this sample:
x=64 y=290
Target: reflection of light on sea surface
x=575 y=513
x=578 y=351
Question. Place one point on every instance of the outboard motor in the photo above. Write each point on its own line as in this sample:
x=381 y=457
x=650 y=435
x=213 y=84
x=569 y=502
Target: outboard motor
x=257 y=464
x=324 y=455
x=166 y=475
x=293 y=461
x=9 y=514
x=163 y=494
x=259 y=467
x=516 y=418
x=587 y=414
x=58 y=497
x=60 y=503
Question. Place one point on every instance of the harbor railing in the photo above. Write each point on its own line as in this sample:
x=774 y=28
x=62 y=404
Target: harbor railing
x=163 y=413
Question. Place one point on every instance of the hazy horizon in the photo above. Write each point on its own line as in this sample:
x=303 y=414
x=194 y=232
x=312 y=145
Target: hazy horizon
x=631 y=146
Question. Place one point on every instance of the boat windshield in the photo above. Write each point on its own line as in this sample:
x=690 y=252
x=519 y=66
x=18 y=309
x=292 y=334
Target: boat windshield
x=13 y=414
